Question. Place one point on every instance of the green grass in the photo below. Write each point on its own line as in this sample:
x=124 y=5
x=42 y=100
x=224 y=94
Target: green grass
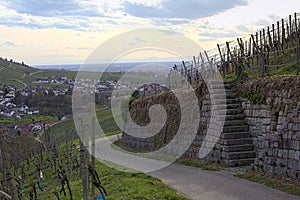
x=99 y=106
x=112 y=133
x=54 y=73
x=286 y=185
x=286 y=70
x=105 y=120
x=26 y=119
x=230 y=77
x=16 y=83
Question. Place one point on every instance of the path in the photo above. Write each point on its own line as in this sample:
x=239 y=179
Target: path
x=193 y=182
x=206 y=185
x=5 y=67
x=25 y=85
x=35 y=72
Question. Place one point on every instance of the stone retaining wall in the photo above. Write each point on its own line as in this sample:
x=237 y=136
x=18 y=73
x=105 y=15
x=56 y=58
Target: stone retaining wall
x=275 y=126
x=273 y=116
x=169 y=130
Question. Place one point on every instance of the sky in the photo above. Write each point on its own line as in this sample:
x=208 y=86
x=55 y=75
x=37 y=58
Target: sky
x=68 y=31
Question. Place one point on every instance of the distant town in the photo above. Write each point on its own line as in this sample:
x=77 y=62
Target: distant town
x=33 y=102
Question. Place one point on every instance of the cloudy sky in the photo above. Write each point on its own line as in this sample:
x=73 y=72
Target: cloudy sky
x=67 y=31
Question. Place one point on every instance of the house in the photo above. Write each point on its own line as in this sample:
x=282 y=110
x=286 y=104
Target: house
x=11 y=113
x=47 y=122
x=24 y=93
x=6 y=99
x=38 y=80
x=45 y=80
x=36 y=127
x=23 y=108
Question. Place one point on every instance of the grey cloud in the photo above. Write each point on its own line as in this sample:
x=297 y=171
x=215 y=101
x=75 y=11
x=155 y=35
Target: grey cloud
x=85 y=48
x=73 y=23
x=8 y=44
x=243 y=28
x=50 y=8
x=168 y=22
x=189 y=9
x=139 y=39
x=219 y=34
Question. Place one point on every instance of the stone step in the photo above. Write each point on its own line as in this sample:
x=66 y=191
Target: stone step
x=224 y=96
x=235 y=122
x=238 y=148
x=227 y=106
x=239 y=162
x=220 y=85
x=233 y=111
x=236 y=135
x=221 y=91
x=238 y=155
x=234 y=106
x=231 y=142
x=232 y=129
x=234 y=117
x=227 y=101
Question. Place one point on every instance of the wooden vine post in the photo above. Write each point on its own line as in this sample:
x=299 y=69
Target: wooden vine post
x=283 y=33
x=67 y=149
x=278 y=35
x=71 y=153
x=298 y=44
x=222 y=60
x=94 y=121
x=8 y=178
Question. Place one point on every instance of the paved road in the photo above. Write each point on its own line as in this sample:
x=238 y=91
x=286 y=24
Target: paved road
x=192 y=182
x=205 y=185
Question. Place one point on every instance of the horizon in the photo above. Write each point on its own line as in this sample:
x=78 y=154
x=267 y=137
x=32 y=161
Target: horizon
x=108 y=67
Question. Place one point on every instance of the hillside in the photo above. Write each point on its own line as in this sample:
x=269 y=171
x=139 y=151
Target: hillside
x=23 y=76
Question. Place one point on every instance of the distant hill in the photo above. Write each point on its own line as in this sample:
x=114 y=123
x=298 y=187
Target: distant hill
x=22 y=76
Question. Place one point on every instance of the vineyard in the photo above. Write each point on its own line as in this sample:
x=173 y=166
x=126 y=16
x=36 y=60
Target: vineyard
x=56 y=165
x=272 y=51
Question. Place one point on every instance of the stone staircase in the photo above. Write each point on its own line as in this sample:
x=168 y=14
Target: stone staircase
x=236 y=143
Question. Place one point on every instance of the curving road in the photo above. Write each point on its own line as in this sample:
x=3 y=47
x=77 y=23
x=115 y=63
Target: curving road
x=193 y=183
x=205 y=185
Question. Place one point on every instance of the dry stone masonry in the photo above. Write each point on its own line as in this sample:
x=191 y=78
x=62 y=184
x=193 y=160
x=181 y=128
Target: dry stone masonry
x=275 y=125
x=262 y=125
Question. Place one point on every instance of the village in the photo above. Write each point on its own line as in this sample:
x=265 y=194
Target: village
x=18 y=105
